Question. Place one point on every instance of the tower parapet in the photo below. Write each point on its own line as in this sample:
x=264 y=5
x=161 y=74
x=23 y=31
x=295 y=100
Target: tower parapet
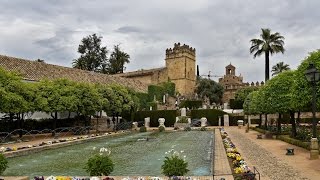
x=180 y=50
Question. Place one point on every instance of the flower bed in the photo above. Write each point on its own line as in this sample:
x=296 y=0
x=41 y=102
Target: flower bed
x=239 y=165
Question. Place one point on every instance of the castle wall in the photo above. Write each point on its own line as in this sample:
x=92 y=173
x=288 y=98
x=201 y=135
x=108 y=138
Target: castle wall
x=146 y=79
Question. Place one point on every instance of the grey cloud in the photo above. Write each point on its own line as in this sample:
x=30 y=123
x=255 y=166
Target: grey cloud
x=219 y=30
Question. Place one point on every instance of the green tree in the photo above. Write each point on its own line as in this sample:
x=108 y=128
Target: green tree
x=16 y=98
x=241 y=94
x=89 y=100
x=93 y=56
x=279 y=67
x=267 y=45
x=117 y=61
x=279 y=96
x=210 y=89
x=302 y=89
x=56 y=96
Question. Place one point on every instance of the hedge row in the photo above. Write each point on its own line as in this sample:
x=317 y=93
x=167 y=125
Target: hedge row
x=212 y=115
x=296 y=142
x=31 y=124
x=169 y=115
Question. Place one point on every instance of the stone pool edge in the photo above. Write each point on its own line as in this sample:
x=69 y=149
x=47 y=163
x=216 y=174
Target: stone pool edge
x=28 y=151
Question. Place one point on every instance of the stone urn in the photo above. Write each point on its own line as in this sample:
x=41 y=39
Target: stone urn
x=135 y=125
x=161 y=122
x=203 y=122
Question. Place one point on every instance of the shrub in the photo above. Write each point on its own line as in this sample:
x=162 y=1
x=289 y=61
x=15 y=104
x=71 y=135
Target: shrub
x=187 y=128
x=203 y=129
x=161 y=129
x=3 y=164
x=174 y=166
x=212 y=115
x=169 y=115
x=99 y=165
x=183 y=119
x=143 y=129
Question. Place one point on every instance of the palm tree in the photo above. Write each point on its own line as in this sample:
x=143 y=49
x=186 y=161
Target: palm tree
x=117 y=61
x=267 y=45
x=279 y=67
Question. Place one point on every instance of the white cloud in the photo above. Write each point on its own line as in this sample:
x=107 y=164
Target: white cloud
x=219 y=30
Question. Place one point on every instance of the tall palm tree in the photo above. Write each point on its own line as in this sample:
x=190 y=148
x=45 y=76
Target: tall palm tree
x=267 y=45
x=279 y=67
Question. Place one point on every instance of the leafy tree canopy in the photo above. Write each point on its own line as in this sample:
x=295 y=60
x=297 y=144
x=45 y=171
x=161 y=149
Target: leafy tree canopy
x=116 y=61
x=93 y=56
x=210 y=89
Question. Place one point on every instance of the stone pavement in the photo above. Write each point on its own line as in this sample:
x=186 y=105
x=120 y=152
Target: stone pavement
x=268 y=156
x=221 y=164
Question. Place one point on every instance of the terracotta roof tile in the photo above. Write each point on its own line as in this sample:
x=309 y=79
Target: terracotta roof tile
x=36 y=71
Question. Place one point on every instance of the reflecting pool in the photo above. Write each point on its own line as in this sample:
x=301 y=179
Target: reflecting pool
x=130 y=155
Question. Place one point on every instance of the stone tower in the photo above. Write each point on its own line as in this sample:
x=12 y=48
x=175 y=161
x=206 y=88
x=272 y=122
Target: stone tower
x=181 y=65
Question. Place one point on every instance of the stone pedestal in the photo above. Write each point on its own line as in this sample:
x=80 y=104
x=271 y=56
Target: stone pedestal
x=177 y=119
x=161 y=122
x=147 y=122
x=219 y=122
x=314 y=149
x=135 y=125
x=226 y=120
x=189 y=120
x=203 y=122
x=183 y=112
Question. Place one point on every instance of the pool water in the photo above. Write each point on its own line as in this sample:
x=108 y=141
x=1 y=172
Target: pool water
x=130 y=156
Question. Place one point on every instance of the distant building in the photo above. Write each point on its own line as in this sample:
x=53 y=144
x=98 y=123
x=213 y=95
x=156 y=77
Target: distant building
x=232 y=83
x=180 y=69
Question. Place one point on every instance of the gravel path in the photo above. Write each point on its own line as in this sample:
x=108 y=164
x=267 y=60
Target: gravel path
x=266 y=163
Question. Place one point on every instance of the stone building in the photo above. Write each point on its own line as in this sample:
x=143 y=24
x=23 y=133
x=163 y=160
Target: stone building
x=180 y=64
x=232 y=83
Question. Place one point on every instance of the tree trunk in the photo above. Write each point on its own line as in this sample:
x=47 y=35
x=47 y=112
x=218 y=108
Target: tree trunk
x=298 y=119
x=279 y=124
x=267 y=66
x=293 y=123
x=54 y=124
x=266 y=121
x=260 y=122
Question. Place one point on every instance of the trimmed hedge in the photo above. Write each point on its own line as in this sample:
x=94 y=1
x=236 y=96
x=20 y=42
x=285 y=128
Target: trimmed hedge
x=191 y=104
x=169 y=115
x=212 y=115
x=296 y=142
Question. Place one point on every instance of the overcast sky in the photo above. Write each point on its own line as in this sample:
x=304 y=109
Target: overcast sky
x=220 y=30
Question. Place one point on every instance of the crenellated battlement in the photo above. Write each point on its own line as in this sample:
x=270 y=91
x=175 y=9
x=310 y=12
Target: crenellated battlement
x=180 y=49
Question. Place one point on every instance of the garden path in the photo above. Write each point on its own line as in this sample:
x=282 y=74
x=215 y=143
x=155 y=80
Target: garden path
x=268 y=156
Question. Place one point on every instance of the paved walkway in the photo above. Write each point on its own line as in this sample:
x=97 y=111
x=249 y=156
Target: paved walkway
x=268 y=156
x=221 y=163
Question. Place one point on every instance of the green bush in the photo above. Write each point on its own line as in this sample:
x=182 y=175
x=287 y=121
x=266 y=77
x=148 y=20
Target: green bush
x=157 y=91
x=153 y=104
x=203 y=129
x=174 y=166
x=99 y=165
x=143 y=129
x=3 y=164
x=161 y=129
x=191 y=104
x=169 y=87
x=296 y=142
x=187 y=128
x=143 y=100
x=168 y=115
x=212 y=115
x=183 y=119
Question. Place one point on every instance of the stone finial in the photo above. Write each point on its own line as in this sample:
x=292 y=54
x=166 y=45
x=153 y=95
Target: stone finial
x=252 y=83
x=257 y=83
x=262 y=83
